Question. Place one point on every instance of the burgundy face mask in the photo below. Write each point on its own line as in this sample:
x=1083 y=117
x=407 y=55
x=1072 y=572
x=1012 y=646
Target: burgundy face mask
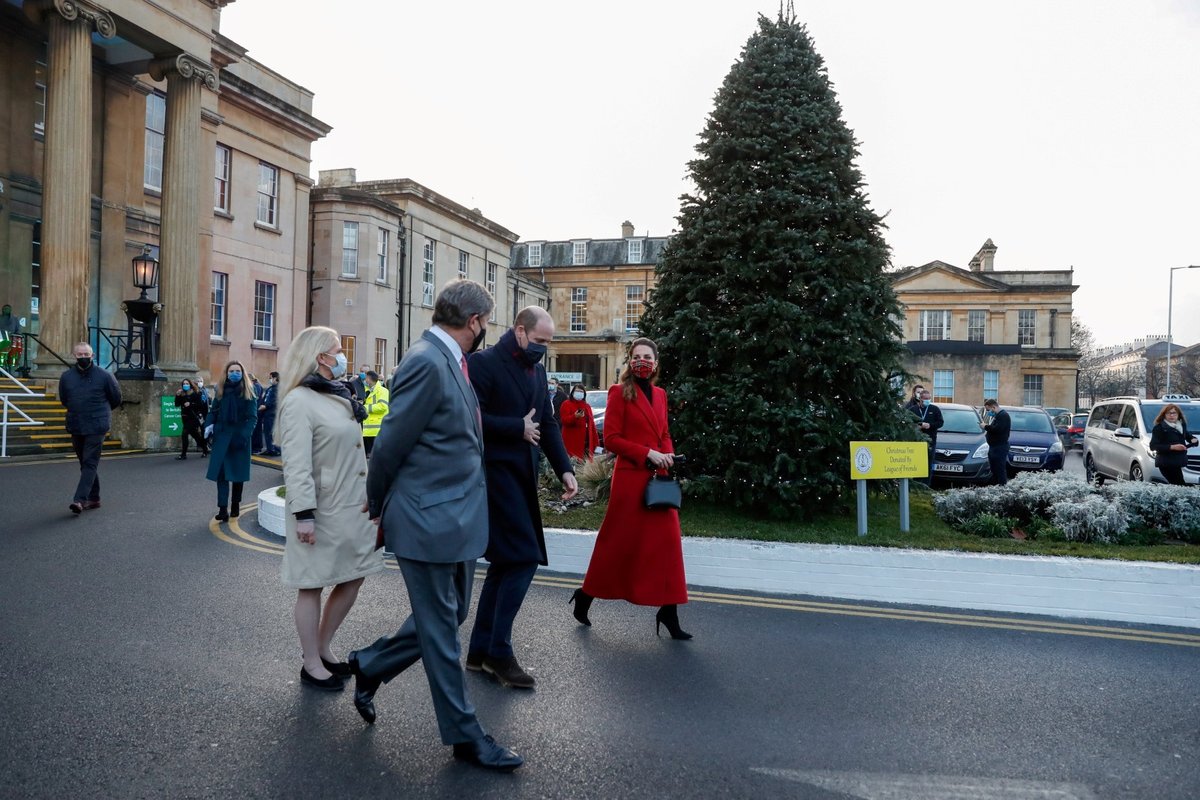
x=641 y=368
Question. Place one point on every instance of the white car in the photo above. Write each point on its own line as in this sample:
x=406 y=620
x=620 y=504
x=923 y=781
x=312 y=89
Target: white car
x=1116 y=441
x=598 y=400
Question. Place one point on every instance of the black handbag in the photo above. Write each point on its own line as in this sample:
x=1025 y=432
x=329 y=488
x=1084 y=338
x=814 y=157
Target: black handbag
x=663 y=492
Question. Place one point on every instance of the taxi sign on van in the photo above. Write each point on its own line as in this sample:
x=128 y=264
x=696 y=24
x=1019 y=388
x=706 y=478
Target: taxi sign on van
x=888 y=460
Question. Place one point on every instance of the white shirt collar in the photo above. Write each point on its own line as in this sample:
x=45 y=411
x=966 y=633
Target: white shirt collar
x=455 y=351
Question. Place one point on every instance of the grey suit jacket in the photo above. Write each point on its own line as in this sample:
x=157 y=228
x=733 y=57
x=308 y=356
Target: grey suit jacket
x=426 y=475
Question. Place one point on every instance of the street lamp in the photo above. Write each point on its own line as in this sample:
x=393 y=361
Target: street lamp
x=141 y=317
x=1170 y=301
x=145 y=271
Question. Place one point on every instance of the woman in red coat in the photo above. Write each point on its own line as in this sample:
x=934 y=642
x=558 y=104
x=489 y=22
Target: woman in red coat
x=639 y=553
x=578 y=425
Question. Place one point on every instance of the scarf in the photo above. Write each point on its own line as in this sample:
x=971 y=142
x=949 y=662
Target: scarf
x=1177 y=425
x=322 y=385
x=229 y=404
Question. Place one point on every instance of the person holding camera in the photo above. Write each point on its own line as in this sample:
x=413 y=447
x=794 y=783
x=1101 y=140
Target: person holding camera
x=638 y=555
x=996 y=425
x=578 y=425
x=1170 y=440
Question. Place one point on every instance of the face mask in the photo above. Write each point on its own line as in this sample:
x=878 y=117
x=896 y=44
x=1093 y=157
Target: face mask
x=187 y=387
x=339 y=367
x=235 y=377
x=641 y=368
x=478 y=340
x=578 y=395
x=362 y=376
x=84 y=362
x=926 y=402
x=534 y=353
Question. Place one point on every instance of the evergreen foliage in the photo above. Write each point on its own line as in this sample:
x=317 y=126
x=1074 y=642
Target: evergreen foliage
x=777 y=326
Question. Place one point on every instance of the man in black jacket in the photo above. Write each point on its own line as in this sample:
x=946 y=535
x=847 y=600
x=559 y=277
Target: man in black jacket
x=996 y=425
x=518 y=421
x=929 y=420
x=90 y=394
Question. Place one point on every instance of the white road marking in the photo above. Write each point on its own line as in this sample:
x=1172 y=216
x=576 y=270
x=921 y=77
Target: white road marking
x=869 y=786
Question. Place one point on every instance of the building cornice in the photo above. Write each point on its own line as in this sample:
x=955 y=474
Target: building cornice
x=406 y=187
x=257 y=101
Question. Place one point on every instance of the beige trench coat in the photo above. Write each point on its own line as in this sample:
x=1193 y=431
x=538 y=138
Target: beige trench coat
x=324 y=468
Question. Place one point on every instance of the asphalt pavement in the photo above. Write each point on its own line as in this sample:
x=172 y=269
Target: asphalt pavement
x=144 y=653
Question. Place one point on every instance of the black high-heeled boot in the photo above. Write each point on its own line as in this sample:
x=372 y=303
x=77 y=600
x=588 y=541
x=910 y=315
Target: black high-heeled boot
x=235 y=506
x=669 y=616
x=222 y=514
x=582 y=602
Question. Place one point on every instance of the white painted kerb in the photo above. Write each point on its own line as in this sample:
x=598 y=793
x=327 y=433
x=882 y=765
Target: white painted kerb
x=270 y=511
x=1141 y=592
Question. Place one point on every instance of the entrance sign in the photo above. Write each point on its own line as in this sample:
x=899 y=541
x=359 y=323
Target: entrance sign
x=887 y=461
x=172 y=418
x=565 y=377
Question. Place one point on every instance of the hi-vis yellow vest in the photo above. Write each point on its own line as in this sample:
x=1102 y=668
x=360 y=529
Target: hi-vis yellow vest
x=377 y=408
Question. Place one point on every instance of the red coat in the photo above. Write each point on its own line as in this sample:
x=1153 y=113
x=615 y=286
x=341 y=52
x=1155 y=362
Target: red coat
x=578 y=433
x=639 y=552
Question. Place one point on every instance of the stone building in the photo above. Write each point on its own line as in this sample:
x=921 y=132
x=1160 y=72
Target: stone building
x=981 y=332
x=134 y=124
x=383 y=249
x=597 y=290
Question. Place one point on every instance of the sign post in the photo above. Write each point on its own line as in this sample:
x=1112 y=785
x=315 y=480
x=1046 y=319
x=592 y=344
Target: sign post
x=171 y=418
x=887 y=461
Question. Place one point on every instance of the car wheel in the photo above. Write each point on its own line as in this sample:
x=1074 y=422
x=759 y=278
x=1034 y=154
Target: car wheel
x=1135 y=473
x=1090 y=474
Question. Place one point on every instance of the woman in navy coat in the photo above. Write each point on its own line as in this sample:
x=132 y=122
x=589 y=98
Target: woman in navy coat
x=231 y=420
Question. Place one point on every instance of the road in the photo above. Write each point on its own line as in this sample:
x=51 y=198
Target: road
x=144 y=655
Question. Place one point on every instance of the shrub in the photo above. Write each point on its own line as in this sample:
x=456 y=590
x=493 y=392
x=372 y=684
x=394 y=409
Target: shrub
x=990 y=526
x=595 y=476
x=1171 y=510
x=281 y=491
x=1092 y=519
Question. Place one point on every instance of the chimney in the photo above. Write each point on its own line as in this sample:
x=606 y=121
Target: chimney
x=337 y=177
x=626 y=230
x=984 y=260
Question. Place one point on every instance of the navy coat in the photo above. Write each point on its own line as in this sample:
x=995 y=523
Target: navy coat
x=90 y=395
x=507 y=390
x=231 y=443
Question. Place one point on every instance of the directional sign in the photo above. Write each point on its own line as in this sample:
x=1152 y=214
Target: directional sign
x=172 y=418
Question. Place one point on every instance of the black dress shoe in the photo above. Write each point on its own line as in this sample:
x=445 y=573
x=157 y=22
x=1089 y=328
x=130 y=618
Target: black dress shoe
x=76 y=507
x=487 y=754
x=364 y=691
x=475 y=662
x=182 y=457
x=508 y=672
x=340 y=669
x=331 y=684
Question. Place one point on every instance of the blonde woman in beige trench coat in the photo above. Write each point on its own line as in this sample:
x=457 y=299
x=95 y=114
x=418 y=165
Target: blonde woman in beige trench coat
x=330 y=539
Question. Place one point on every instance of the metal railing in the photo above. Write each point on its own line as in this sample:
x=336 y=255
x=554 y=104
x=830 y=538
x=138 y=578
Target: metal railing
x=7 y=404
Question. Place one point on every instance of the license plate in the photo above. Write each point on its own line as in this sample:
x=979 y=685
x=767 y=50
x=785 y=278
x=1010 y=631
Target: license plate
x=1026 y=460
x=947 y=467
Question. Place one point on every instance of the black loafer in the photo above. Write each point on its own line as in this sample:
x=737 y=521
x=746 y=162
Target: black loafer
x=331 y=684
x=364 y=691
x=340 y=669
x=487 y=754
x=475 y=661
x=508 y=672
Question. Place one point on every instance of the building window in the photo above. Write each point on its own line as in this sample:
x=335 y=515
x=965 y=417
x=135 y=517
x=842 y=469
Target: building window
x=220 y=287
x=268 y=194
x=221 y=179
x=634 y=296
x=349 y=249
x=464 y=264
x=1032 y=395
x=943 y=386
x=579 y=309
x=264 y=312
x=634 y=254
x=991 y=384
x=381 y=247
x=491 y=279
x=935 y=326
x=380 y=357
x=39 y=97
x=156 y=128
x=535 y=255
x=976 y=322
x=348 y=350
x=1026 y=327
x=428 y=276
x=579 y=253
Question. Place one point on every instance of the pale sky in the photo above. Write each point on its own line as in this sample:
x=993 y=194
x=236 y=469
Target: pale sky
x=1068 y=132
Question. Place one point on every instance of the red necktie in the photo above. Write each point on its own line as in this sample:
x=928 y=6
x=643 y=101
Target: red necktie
x=467 y=375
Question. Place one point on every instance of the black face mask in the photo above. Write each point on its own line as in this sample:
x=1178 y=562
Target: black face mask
x=534 y=352
x=83 y=363
x=478 y=342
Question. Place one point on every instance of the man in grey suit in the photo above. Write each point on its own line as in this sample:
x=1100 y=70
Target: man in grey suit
x=426 y=483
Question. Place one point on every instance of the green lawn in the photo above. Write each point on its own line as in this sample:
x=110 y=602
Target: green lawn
x=928 y=532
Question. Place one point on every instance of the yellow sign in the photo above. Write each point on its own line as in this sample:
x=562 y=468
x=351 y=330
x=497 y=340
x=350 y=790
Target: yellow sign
x=888 y=460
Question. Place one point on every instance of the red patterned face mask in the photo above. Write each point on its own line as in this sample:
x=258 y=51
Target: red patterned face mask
x=641 y=368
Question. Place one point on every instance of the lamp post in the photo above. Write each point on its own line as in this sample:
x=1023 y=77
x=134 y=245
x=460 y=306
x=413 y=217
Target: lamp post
x=142 y=314
x=1170 y=306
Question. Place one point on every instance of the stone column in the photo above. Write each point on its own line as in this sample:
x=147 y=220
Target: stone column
x=67 y=172
x=184 y=191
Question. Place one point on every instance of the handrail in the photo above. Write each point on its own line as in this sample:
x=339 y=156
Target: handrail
x=6 y=404
x=45 y=347
x=120 y=345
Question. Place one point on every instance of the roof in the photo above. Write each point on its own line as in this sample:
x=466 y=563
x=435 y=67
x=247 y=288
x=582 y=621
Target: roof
x=600 y=252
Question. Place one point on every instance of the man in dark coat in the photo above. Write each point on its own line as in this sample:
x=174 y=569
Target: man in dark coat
x=90 y=394
x=997 y=425
x=929 y=420
x=266 y=413
x=518 y=420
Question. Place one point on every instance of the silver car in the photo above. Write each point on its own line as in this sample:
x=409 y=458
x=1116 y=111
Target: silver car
x=1116 y=441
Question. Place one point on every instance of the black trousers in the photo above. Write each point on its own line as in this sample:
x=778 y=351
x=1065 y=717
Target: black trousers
x=998 y=461
x=193 y=433
x=1174 y=475
x=87 y=450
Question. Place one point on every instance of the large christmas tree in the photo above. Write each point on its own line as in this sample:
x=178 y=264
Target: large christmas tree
x=777 y=325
